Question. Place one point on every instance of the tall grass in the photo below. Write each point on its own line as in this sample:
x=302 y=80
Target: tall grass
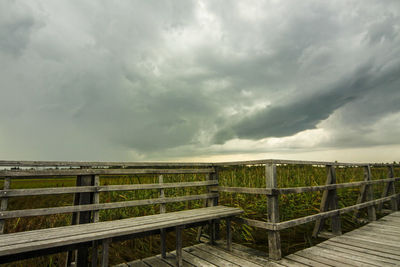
x=291 y=206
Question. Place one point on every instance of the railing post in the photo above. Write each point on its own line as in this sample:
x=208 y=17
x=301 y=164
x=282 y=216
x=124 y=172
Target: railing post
x=329 y=201
x=388 y=190
x=96 y=217
x=274 y=237
x=163 y=209
x=366 y=193
x=4 y=202
x=81 y=255
x=214 y=224
x=370 y=193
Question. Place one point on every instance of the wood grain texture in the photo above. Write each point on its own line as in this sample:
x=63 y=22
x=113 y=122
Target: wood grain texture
x=46 y=238
x=4 y=202
x=99 y=189
x=274 y=237
x=96 y=171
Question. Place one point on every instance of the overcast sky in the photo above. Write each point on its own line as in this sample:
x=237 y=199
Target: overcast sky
x=200 y=80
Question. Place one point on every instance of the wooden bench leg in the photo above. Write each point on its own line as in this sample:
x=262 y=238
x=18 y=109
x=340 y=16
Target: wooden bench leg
x=228 y=234
x=179 y=246
x=163 y=243
x=212 y=232
x=106 y=245
x=94 y=253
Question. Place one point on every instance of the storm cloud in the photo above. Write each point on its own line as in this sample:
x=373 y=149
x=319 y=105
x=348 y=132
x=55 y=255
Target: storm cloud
x=162 y=80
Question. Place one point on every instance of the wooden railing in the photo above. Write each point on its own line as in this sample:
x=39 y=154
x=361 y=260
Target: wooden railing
x=329 y=203
x=86 y=204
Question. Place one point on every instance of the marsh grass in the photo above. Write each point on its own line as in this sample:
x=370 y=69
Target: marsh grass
x=291 y=206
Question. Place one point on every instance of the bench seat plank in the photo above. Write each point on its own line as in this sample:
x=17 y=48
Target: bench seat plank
x=75 y=234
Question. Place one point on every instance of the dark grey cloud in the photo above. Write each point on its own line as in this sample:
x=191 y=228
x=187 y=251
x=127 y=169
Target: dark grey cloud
x=306 y=112
x=16 y=25
x=162 y=79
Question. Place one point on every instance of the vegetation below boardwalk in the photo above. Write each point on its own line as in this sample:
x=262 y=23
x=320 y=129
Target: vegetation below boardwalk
x=291 y=206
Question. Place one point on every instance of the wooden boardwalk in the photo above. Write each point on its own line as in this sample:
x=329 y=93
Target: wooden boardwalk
x=375 y=244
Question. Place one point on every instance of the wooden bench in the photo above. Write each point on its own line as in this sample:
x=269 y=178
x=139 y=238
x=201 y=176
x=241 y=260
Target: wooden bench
x=86 y=231
x=16 y=245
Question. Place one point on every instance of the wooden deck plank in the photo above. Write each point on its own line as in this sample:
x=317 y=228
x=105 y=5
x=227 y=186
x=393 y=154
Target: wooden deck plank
x=171 y=260
x=376 y=244
x=343 y=258
x=138 y=263
x=373 y=258
x=249 y=254
x=218 y=261
x=156 y=262
x=225 y=255
x=366 y=249
x=195 y=261
x=376 y=238
x=320 y=258
x=290 y=263
x=309 y=262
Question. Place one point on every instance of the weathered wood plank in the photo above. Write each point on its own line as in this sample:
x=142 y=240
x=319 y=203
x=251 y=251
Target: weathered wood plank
x=171 y=260
x=375 y=242
x=304 y=189
x=156 y=262
x=341 y=257
x=27 y=163
x=105 y=250
x=309 y=262
x=97 y=171
x=128 y=230
x=84 y=217
x=4 y=202
x=137 y=263
x=380 y=261
x=209 y=257
x=101 y=206
x=178 y=234
x=296 y=162
x=249 y=254
x=291 y=263
x=364 y=249
x=225 y=255
x=274 y=237
x=96 y=217
x=319 y=258
x=163 y=209
x=329 y=201
x=243 y=190
x=23 y=237
x=327 y=214
x=16 y=163
x=196 y=261
x=255 y=223
x=97 y=189
x=228 y=234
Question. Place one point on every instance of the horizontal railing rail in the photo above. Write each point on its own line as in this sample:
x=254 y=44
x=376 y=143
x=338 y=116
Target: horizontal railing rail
x=98 y=189
x=74 y=172
x=101 y=206
x=27 y=163
x=303 y=162
x=297 y=190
